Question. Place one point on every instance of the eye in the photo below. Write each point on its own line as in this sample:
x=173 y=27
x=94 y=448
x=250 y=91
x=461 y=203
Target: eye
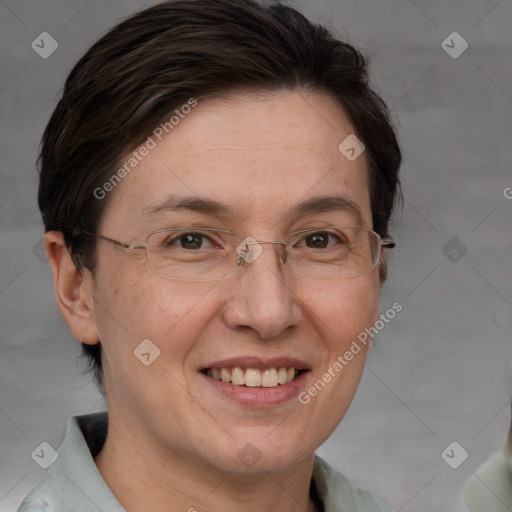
x=320 y=240
x=189 y=241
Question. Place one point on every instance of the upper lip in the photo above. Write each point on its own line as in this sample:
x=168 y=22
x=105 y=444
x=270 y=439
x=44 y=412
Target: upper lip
x=259 y=363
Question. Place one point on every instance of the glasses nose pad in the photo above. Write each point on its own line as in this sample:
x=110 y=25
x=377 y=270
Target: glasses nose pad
x=283 y=256
x=248 y=251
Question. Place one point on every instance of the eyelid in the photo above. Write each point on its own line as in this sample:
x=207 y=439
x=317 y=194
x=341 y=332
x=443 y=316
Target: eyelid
x=205 y=229
x=175 y=235
x=313 y=229
x=210 y=235
x=300 y=235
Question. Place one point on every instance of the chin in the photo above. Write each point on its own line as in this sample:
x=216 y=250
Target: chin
x=252 y=457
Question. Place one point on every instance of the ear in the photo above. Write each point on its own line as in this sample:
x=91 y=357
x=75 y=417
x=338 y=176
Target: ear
x=383 y=270
x=73 y=289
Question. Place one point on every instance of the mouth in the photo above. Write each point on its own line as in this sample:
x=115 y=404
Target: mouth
x=257 y=382
x=254 y=377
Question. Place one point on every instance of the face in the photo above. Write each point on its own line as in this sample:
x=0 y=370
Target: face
x=260 y=156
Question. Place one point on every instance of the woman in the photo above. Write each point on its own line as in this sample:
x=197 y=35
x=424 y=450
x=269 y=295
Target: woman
x=216 y=187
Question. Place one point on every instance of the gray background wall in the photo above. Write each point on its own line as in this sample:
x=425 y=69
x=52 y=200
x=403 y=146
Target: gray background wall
x=440 y=371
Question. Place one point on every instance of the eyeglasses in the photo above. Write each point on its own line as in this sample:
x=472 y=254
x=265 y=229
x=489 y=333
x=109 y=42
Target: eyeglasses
x=209 y=254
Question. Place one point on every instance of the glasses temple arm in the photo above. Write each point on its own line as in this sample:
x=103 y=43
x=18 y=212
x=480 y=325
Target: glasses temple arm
x=116 y=242
x=388 y=243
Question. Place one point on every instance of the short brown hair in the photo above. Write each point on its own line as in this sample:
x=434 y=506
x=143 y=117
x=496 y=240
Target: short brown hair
x=130 y=80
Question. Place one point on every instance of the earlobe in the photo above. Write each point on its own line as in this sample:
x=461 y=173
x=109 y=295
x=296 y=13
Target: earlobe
x=73 y=289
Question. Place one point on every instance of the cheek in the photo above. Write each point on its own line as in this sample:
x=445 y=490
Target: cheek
x=345 y=308
x=341 y=311
x=138 y=305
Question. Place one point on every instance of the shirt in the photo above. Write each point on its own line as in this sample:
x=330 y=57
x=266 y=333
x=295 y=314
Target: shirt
x=490 y=488
x=74 y=484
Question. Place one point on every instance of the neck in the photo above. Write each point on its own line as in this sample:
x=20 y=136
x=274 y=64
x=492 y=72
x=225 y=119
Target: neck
x=143 y=476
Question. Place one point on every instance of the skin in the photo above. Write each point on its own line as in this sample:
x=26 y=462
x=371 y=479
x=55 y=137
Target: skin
x=173 y=441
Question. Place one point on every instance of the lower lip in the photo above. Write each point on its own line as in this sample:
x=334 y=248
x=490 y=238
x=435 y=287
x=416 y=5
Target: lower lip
x=259 y=397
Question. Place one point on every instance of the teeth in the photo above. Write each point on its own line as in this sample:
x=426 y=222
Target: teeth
x=252 y=377
x=225 y=375
x=237 y=376
x=269 y=378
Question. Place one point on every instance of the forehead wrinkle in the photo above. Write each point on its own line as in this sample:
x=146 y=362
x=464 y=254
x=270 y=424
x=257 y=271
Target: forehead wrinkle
x=220 y=147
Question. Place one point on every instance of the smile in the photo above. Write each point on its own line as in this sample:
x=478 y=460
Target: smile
x=254 y=377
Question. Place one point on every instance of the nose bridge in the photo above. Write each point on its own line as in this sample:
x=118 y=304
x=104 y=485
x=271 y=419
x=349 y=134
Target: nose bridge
x=264 y=300
x=281 y=246
x=250 y=250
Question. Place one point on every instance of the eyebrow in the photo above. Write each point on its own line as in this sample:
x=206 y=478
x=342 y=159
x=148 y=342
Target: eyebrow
x=196 y=204
x=325 y=204
x=317 y=204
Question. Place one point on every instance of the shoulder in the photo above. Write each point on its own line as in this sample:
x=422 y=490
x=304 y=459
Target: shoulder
x=339 y=495
x=44 y=497
x=489 y=489
x=73 y=481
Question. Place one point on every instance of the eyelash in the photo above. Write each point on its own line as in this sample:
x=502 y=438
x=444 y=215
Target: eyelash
x=171 y=240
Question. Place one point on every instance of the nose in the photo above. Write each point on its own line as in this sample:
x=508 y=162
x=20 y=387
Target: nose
x=262 y=297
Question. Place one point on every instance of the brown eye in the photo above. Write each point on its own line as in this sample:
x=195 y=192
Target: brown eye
x=320 y=240
x=191 y=241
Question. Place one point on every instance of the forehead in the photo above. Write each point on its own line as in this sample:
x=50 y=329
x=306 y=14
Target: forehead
x=256 y=154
